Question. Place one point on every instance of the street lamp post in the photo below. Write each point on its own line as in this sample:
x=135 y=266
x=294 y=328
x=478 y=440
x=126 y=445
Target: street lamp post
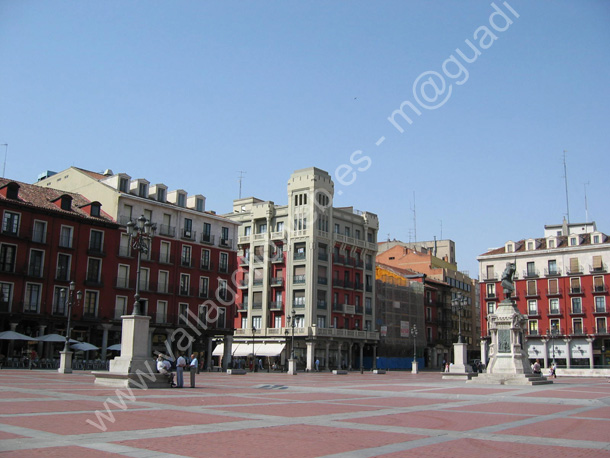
x=291 y=319
x=553 y=334
x=458 y=304
x=140 y=235
x=65 y=364
x=414 y=332
x=253 y=355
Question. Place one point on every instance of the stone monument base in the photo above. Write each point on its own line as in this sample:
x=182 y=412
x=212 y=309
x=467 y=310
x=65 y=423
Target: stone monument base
x=510 y=379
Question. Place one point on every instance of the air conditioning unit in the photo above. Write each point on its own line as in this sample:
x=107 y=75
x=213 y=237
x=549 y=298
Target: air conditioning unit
x=187 y=233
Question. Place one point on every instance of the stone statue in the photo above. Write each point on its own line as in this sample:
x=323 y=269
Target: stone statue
x=508 y=285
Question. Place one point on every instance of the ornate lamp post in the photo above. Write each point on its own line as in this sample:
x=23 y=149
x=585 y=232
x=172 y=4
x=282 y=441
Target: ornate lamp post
x=140 y=235
x=414 y=333
x=291 y=319
x=553 y=334
x=65 y=362
x=253 y=354
x=457 y=305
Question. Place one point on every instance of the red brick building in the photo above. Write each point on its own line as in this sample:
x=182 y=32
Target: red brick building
x=50 y=238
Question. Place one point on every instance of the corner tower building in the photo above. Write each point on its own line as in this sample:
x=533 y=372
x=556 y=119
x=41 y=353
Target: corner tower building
x=306 y=270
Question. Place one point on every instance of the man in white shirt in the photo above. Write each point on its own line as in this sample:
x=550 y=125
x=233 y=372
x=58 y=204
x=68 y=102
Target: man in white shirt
x=193 y=368
x=164 y=367
x=180 y=364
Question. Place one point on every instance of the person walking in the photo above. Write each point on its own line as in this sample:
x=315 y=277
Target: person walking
x=193 y=369
x=180 y=364
x=317 y=365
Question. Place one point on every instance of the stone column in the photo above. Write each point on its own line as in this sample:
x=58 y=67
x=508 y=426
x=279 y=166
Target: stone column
x=361 y=356
x=311 y=355
x=39 y=347
x=545 y=344
x=350 y=350
x=339 y=345
x=568 y=352
x=105 y=328
x=483 y=345
x=590 y=345
x=375 y=357
x=327 y=357
x=227 y=351
x=208 y=356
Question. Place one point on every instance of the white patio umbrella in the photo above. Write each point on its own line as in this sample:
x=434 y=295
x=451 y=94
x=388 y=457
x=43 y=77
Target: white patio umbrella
x=84 y=346
x=115 y=347
x=12 y=335
x=54 y=338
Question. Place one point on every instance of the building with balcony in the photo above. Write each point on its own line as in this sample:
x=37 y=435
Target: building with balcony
x=306 y=268
x=185 y=278
x=561 y=284
x=50 y=238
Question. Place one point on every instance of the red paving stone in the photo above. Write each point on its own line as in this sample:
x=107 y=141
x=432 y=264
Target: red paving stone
x=396 y=401
x=444 y=420
x=516 y=408
x=124 y=421
x=294 y=410
x=206 y=401
x=564 y=428
x=602 y=412
x=4 y=435
x=479 y=391
x=305 y=441
x=476 y=448
x=17 y=395
x=21 y=407
x=59 y=452
x=566 y=394
x=292 y=396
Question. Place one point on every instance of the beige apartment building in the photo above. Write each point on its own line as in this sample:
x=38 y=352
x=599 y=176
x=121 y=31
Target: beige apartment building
x=306 y=274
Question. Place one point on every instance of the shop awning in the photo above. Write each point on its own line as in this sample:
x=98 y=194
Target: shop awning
x=245 y=349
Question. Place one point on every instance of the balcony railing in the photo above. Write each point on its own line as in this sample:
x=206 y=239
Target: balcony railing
x=277 y=281
x=554 y=292
x=556 y=272
x=323 y=256
x=322 y=281
x=167 y=231
x=276 y=305
x=188 y=234
x=575 y=270
x=598 y=269
x=226 y=243
x=298 y=279
x=207 y=238
x=299 y=256
x=599 y=289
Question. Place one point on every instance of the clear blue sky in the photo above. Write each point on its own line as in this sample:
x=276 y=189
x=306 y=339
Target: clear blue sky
x=188 y=93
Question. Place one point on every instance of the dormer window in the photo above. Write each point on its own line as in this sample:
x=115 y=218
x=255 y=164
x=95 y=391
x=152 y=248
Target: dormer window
x=66 y=202
x=509 y=248
x=142 y=190
x=199 y=205
x=161 y=194
x=530 y=246
x=573 y=241
x=181 y=200
x=12 y=191
x=551 y=243
x=95 y=209
x=124 y=184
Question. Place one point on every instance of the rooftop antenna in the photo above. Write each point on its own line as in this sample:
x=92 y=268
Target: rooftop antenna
x=586 y=205
x=414 y=219
x=241 y=176
x=565 y=175
x=5 y=154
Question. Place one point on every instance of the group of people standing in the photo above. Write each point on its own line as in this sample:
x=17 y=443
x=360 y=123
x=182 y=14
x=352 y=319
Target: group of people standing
x=164 y=367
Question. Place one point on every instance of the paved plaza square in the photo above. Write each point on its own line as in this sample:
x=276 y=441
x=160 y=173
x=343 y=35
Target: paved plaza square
x=393 y=415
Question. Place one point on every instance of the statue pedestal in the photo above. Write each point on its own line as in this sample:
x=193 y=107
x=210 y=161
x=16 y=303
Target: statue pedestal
x=65 y=362
x=135 y=368
x=459 y=359
x=508 y=362
x=292 y=367
x=414 y=367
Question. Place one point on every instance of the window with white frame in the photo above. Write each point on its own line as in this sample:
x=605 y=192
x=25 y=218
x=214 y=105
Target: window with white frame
x=185 y=284
x=163 y=281
x=60 y=300
x=94 y=270
x=183 y=317
x=204 y=286
x=161 y=316
x=7 y=257
x=144 y=279
x=65 y=236
x=577 y=326
x=491 y=290
x=277 y=322
x=600 y=325
x=224 y=263
x=257 y=322
x=122 y=280
x=244 y=322
x=96 y=241
x=90 y=303
x=554 y=306
x=491 y=307
x=555 y=323
x=185 y=258
x=120 y=307
x=39 y=231
x=205 y=259
x=36 y=263
x=10 y=223
x=532 y=327
x=222 y=294
x=63 y=267
x=600 y=304
x=532 y=307
x=576 y=305
x=6 y=296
